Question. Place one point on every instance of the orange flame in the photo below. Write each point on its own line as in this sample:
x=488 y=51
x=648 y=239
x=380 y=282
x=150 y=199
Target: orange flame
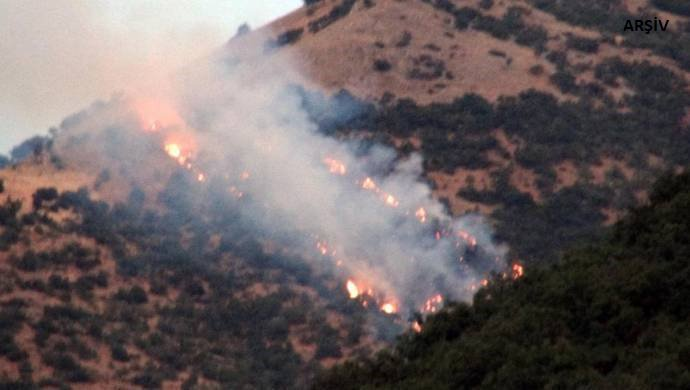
x=518 y=271
x=433 y=304
x=391 y=201
x=334 y=166
x=322 y=247
x=352 y=289
x=416 y=327
x=420 y=214
x=173 y=150
x=368 y=184
x=468 y=238
x=389 y=308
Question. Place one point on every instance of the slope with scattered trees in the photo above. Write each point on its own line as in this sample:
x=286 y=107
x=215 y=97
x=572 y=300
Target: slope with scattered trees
x=612 y=314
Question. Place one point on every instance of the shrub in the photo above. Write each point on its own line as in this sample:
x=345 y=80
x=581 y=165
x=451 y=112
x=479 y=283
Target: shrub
x=681 y=7
x=382 y=66
x=405 y=39
x=582 y=44
x=565 y=81
x=135 y=295
x=536 y=70
x=44 y=195
x=486 y=4
x=119 y=352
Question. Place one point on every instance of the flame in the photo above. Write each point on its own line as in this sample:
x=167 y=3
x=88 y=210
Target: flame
x=322 y=247
x=173 y=150
x=432 y=304
x=334 y=166
x=416 y=327
x=352 y=289
x=468 y=238
x=201 y=177
x=368 y=184
x=420 y=214
x=518 y=271
x=244 y=176
x=236 y=192
x=389 y=308
x=391 y=201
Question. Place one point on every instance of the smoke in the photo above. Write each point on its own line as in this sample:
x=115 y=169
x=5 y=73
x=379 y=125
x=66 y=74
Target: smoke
x=335 y=202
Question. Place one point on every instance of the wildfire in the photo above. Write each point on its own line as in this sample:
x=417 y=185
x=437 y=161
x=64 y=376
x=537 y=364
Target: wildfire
x=389 y=308
x=236 y=192
x=368 y=184
x=391 y=201
x=468 y=238
x=334 y=166
x=322 y=247
x=518 y=271
x=420 y=214
x=432 y=304
x=173 y=150
x=416 y=327
x=352 y=289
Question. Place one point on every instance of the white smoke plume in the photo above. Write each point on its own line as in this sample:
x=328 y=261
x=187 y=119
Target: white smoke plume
x=250 y=130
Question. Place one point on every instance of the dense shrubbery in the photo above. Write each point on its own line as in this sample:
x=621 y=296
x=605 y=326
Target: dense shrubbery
x=511 y=25
x=211 y=329
x=582 y=44
x=611 y=315
x=339 y=11
x=287 y=38
x=609 y=16
x=458 y=135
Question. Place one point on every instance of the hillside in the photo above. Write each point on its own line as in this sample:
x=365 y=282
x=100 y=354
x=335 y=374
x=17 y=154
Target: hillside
x=133 y=252
x=613 y=315
x=521 y=109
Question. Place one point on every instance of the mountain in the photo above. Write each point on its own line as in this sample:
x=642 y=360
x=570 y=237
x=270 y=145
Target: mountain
x=118 y=270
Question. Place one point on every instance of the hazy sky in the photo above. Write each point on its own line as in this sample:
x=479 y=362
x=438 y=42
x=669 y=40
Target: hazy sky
x=58 y=56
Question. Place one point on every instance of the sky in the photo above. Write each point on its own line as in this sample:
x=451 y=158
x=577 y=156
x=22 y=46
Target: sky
x=58 y=56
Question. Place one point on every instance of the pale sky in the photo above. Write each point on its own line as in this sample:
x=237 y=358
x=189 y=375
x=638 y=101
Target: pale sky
x=57 y=56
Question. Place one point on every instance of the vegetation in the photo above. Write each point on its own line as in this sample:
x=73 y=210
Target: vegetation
x=339 y=11
x=613 y=314
x=676 y=6
x=180 y=307
x=458 y=135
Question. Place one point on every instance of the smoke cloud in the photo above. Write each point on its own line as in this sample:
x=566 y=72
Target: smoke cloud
x=335 y=202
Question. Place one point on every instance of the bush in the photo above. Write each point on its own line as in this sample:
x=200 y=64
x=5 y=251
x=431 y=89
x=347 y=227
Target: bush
x=582 y=44
x=135 y=295
x=382 y=66
x=565 y=81
x=119 y=352
x=681 y=7
x=67 y=367
x=44 y=195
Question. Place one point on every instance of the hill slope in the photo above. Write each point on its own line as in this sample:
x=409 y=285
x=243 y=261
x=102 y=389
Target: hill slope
x=613 y=315
x=540 y=114
x=540 y=110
